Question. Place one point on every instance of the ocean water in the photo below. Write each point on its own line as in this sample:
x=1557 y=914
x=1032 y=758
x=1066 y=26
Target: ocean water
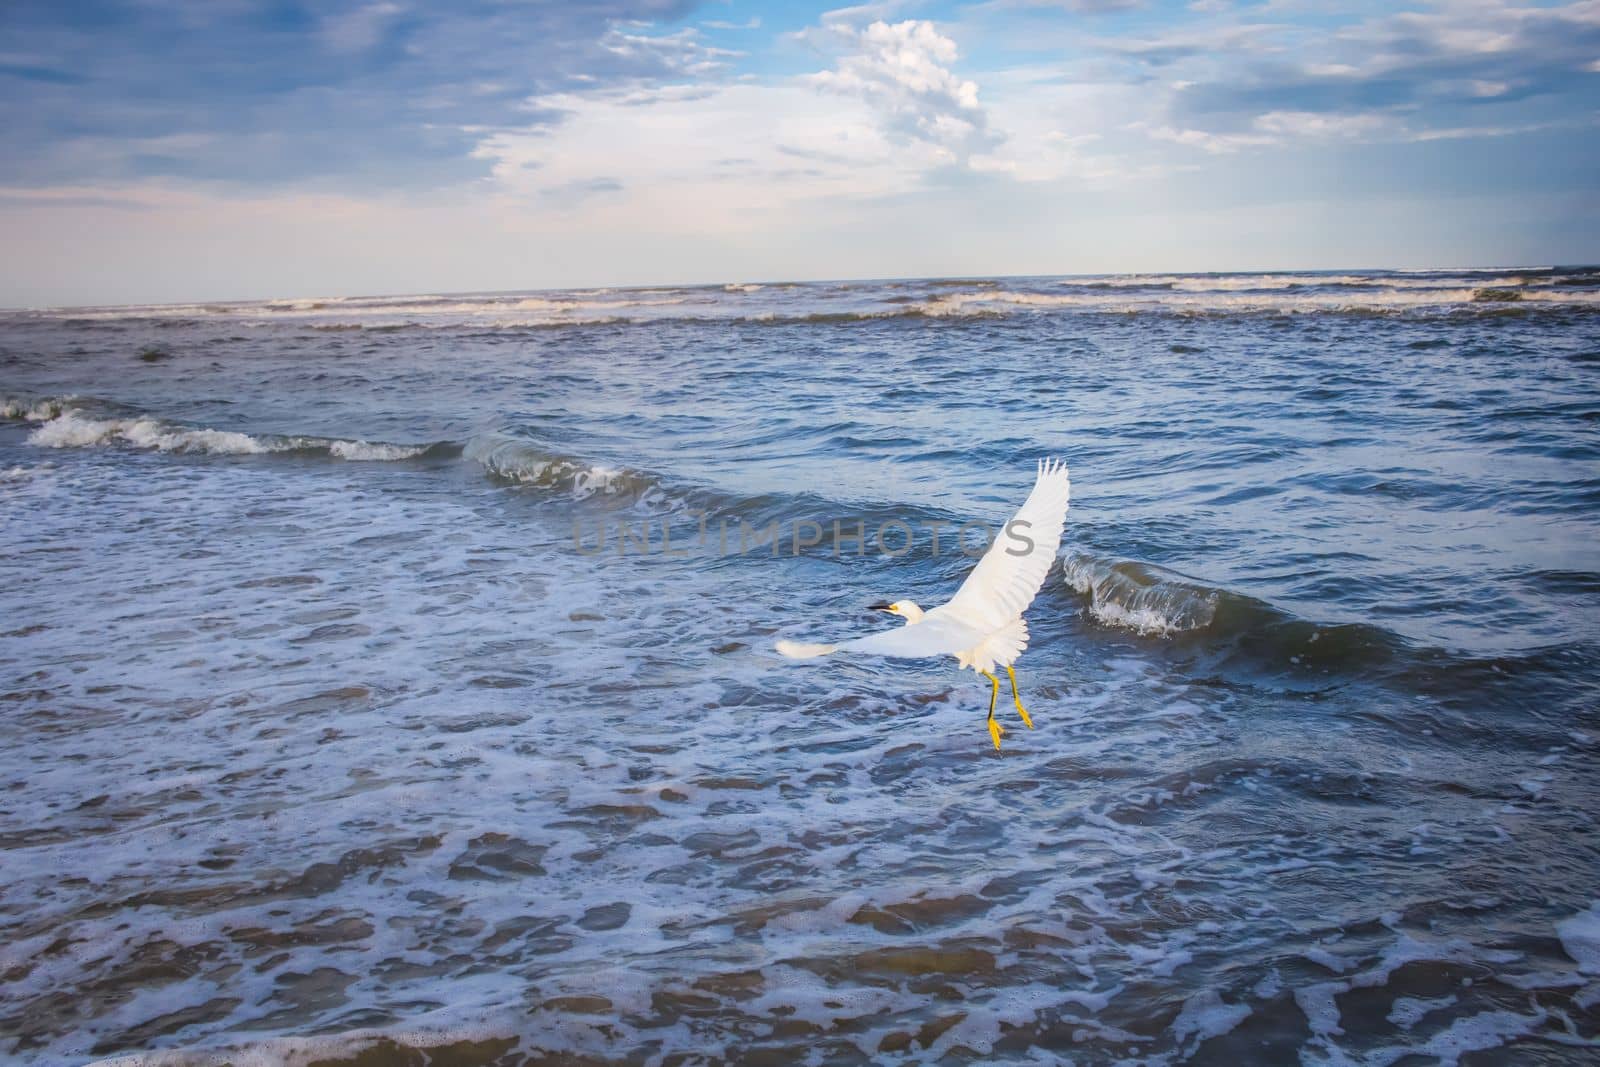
x=352 y=705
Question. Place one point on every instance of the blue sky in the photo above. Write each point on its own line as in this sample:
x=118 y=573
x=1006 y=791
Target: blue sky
x=214 y=149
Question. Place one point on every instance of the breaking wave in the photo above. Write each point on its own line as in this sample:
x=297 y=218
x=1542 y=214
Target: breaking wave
x=63 y=424
x=520 y=460
x=1235 y=283
x=77 y=422
x=1221 y=300
x=1154 y=602
x=1234 y=631
x=1140 y=597
x=32 y=410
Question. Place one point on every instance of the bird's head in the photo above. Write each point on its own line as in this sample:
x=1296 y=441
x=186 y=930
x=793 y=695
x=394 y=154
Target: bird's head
x=906 y=609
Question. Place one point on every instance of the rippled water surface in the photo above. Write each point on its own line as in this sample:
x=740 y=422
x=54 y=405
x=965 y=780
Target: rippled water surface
x=321 y=736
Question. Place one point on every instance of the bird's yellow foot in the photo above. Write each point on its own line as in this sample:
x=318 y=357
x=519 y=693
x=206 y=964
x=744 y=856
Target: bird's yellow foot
x=1016 y=697
x=995 y=730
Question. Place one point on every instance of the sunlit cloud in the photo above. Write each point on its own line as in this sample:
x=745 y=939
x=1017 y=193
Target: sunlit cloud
x=902 y=71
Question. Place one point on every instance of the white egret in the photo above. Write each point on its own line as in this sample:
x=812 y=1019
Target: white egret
x=982 y=625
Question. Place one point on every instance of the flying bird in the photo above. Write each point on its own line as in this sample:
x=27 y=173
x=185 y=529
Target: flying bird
x=982 y=625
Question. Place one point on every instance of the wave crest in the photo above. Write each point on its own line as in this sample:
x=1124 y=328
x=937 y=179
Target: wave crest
x=1140 y=597
x=63 y=425
x=32 y=410
x=1237 y=628
x=519 y=460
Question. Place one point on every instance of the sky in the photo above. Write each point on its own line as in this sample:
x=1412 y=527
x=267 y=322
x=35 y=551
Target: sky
x=178 y=150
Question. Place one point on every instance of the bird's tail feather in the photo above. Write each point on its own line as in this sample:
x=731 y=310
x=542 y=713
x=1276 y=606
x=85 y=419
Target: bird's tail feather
x=802 y=650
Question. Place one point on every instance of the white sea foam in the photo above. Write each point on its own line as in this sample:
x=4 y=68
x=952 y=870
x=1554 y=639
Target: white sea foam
x=433 y=1030
x=1443 y=284
x=1406 y=1012
x=150 y=433
x=1147 y=621
x=520 y=460
x=571 y=307
x=1234 y=284
x=1580 y=938
x=1321 y=1008
x=1475 y=1033
x=32 y=410
x=989 y=302
x=1202 y=283
x=592 y=480
x=367 y=450
x=72 y=428
x=1137 y=598
x=1206 y=1015
x=420 y=310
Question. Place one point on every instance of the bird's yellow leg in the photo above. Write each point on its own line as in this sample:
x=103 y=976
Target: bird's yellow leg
x=1017 y=698
x=995 y=729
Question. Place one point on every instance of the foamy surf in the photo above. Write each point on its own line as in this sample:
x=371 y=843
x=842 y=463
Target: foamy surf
x=61 y=425
x=478 y=1037
x=72 y=429
x=1580 y=938
x=1140 y=597
x=33 y=410
x=371 y=451
x=1389 y=293
x=520 y=460
x=1251 y=299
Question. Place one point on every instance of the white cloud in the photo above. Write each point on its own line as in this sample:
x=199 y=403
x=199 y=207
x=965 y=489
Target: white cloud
x=681 y=53
x=1455 y=133
x=698 y=158
x=902 y=71
x=1282 y=128
x=1276 y=128
x=1215 y=143
x=1480 y=68
x=358 y=30
x=888 y=117
x=1317 y=124
x=1091 y=7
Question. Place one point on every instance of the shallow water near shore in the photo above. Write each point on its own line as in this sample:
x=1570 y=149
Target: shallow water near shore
x=324 y=737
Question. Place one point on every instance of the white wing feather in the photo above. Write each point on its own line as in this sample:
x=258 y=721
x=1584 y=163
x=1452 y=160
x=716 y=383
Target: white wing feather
x=935 y=635
x=1007 y=578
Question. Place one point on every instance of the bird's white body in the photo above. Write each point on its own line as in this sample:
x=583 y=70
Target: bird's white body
x=982 y=625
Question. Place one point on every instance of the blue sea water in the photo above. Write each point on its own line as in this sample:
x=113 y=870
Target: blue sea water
x=348 y=693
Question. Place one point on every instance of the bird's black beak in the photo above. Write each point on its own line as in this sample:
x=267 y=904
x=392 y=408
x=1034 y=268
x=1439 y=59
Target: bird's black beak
x=881 y=605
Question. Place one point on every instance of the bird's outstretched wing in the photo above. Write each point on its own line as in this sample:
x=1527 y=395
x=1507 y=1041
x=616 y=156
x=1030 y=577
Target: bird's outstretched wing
x=1009 y=575
x=935 y=635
